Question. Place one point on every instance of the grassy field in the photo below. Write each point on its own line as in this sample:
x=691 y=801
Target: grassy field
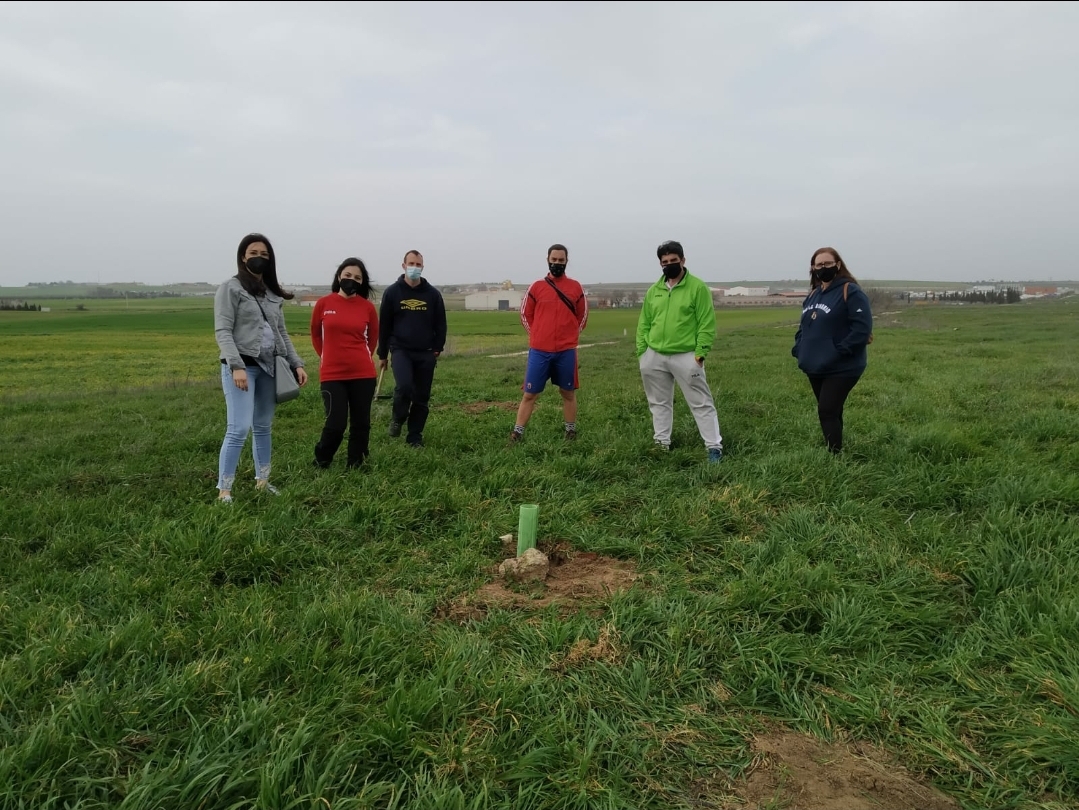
x=160 y=651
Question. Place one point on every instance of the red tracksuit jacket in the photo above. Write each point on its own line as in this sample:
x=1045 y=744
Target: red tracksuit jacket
x=551 y=325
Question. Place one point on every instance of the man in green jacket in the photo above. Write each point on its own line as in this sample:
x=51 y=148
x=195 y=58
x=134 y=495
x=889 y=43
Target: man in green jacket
x=674 y=335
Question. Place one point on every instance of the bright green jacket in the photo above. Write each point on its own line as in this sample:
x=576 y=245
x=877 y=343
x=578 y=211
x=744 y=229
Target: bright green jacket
x=678 y=320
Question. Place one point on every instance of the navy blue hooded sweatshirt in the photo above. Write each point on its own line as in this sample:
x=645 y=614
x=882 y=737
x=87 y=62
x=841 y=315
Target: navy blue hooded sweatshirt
x=411 y=318
x=833 y=334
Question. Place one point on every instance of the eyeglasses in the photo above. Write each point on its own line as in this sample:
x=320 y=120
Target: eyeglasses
x=825 y=266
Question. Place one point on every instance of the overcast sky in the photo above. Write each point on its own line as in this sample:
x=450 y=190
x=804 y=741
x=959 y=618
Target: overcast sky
x=140 y=142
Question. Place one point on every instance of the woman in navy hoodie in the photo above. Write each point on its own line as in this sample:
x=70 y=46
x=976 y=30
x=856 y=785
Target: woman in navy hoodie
x=831 y=341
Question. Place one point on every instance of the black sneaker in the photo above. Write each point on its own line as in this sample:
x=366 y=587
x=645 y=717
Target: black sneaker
x=571 y=435
x=417 y=442
x=515 y=438
x=395 y=429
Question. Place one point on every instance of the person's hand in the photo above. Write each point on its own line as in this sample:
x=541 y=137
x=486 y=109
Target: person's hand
x=239 y=378
x=301 y=376
x=437 y=354
x=383 y=363
x=700 y=361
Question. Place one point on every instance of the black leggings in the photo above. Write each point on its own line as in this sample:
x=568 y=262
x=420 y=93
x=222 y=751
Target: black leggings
x=342 y=398
x=831 y=394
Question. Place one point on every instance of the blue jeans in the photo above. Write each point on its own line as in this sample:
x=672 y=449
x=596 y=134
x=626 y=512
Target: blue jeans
x=247 y=411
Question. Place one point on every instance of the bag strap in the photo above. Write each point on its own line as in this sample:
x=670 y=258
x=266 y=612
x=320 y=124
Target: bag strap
x=845 y=290
x=272 y=329
x=562 y=295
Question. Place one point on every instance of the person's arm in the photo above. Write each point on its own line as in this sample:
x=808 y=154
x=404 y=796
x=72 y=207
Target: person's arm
x=528 y=310
x=372 y=329
x=385 y=328
x=440 y=323
x=224 y=321
x=644 y=324
x=582 y=312
x=316 y=327
x=860 y=321
x=706 y=323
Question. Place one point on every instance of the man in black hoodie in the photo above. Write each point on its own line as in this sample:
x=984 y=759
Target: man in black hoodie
x=412 y=330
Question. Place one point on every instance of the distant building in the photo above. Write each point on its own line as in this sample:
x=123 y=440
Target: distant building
x=758 y=300
x=503 y=300
x=754 y=291
x=1037 y=292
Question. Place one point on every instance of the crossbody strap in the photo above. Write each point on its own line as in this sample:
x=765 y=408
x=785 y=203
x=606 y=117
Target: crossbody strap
x=562 y=295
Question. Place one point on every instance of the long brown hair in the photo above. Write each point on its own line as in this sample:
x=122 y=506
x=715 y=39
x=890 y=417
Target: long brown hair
x=254 y=285
x=843 y=272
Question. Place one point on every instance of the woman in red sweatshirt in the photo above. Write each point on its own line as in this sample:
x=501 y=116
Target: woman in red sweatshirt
x=344 y=331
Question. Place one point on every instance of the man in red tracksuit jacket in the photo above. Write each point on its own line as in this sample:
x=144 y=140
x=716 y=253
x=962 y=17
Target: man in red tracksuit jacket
x=554 y=313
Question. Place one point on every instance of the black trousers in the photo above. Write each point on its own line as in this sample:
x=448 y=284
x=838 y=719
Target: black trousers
x=413 y=374
x=345 y=399
x=831 y=394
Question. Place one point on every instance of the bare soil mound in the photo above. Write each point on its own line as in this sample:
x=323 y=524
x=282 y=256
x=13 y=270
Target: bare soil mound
x=799 y=772
x=577 y=580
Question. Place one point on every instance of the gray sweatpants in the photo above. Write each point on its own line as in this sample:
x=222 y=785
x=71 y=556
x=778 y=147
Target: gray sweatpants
x=659 y=372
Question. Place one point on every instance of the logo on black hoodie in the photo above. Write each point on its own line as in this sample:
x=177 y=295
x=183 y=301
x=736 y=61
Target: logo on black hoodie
x=413 y=305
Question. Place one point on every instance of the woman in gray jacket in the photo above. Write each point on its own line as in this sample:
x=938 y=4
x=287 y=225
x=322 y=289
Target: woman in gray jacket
x=250 y=329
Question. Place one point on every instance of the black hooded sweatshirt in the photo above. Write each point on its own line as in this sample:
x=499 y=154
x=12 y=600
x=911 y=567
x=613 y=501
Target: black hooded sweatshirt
x=411 y=318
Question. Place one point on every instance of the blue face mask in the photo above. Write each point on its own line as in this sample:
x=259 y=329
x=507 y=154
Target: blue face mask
x=413 y=273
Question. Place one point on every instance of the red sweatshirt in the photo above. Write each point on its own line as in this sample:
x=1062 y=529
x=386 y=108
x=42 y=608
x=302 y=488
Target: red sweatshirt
x=551 y=325
x=344 y=332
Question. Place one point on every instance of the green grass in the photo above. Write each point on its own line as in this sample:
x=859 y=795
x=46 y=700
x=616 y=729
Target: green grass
x=159 y=651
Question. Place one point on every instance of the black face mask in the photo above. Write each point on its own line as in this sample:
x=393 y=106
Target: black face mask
x=557 y=270
x=349 y=286
x=257 y=265
x=671 y=271
x=826 y=274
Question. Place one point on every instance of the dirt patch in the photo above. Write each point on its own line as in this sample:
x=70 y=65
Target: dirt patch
x=800 y=772
x=607 y=648
x=483 y=407
x=576 y=580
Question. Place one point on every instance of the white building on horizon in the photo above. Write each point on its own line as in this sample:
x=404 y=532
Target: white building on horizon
x=756 y=291
x=494 y=300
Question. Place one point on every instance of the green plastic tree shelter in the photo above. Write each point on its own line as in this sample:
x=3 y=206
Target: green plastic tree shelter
x=526 y=527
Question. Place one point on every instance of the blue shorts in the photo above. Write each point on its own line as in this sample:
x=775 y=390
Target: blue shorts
x=558 y=367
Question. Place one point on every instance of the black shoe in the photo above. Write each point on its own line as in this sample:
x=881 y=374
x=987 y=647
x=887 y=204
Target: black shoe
x=571 y=435
x=417 y=442
x=395 y=429
x=357 y=465
x=322 y=465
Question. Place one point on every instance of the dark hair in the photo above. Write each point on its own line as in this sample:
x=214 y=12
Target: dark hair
x=410 y=253
x=555 y=247
x=671 y=247
x=843 y=272
x=365 y=283
x=248 y=280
